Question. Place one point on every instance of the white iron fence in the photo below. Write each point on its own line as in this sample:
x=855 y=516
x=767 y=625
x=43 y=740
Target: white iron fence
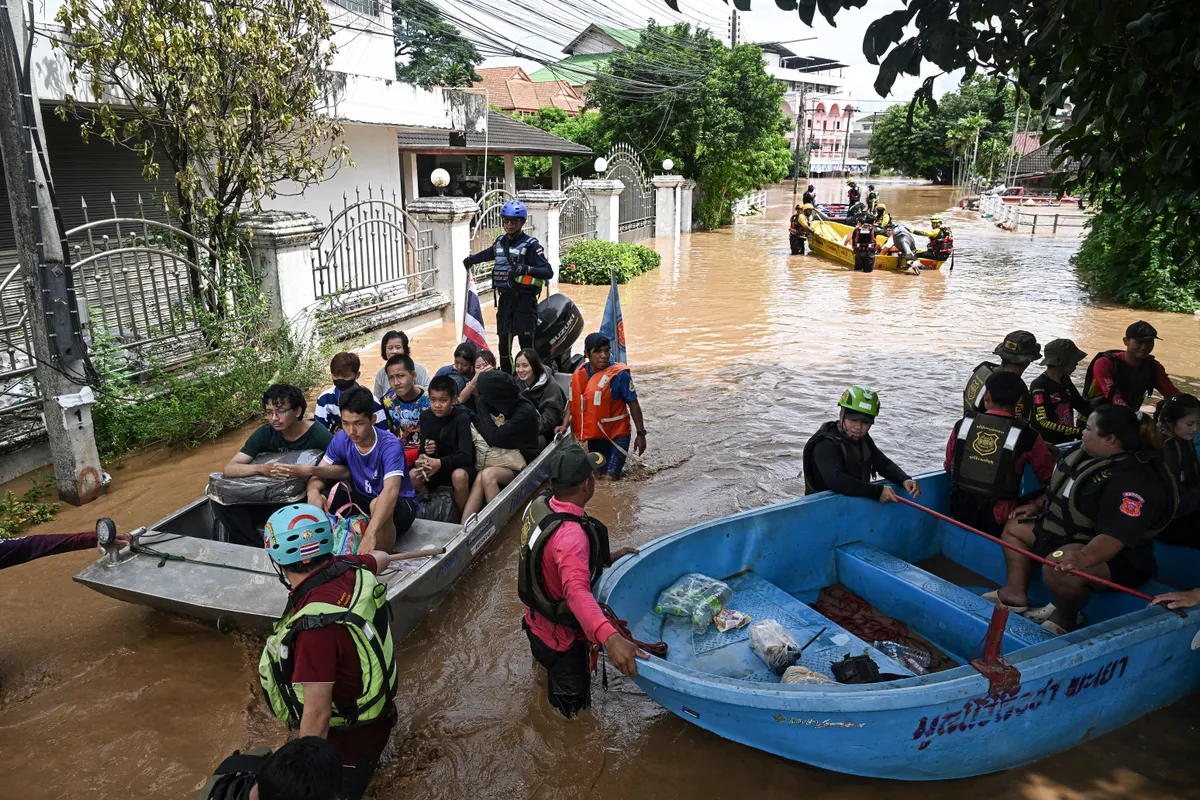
x=1042 y=218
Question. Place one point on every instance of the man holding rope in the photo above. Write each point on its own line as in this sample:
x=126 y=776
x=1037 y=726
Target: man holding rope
x=603 y=401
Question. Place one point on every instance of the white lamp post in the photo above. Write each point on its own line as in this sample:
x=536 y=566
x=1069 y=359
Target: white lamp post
x=601 y=165
x=668 y=164
x=440 y=178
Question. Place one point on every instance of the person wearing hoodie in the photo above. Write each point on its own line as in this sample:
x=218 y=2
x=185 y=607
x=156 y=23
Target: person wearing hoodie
x=543 y=391
x=505 y=419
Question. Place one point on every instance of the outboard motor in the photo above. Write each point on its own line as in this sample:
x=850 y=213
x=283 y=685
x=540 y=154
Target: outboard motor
x=905 y=243
x=856 y=212
x=559 y=323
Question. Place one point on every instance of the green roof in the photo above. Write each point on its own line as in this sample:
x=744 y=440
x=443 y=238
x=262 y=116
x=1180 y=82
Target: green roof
x=576 y=70
x=627 y=38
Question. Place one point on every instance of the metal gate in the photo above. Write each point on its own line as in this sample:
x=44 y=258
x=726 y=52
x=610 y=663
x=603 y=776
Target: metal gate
x=578 y=220
x=372 y=265
x=637 y=201
x=485 y=228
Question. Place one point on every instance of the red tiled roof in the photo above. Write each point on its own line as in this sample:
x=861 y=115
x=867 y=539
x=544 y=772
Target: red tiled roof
x=509 y=89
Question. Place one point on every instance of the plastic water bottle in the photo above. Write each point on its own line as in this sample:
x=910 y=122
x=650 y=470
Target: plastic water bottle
x=914 y=658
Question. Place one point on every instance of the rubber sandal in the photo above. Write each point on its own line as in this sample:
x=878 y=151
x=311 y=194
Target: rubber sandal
x=1054 y=628
x=1042 y=614
x=994 y=598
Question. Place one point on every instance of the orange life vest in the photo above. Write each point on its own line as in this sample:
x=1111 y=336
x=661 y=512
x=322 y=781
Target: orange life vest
x=595 y=413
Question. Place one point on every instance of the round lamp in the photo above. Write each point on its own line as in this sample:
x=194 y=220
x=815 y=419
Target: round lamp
x=440 y=178
x=601 y=164
x=668 y=164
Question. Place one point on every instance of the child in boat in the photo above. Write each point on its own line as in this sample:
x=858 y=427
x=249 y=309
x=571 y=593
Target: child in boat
x=403 y=404
x=395 y=343
x=841 y=456
x=447 y=456
x=344 y=368
x=1105 y=503
x=463 y=368
x=1178 y=419
x=987 y=454
x=485 y=361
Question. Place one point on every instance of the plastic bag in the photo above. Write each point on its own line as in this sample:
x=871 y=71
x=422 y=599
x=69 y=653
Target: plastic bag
x=774 y=645
x=696 y=596
x=804 y=675
x=261 y=488
x=915 y=659
x=438 y=506
x=348 y=534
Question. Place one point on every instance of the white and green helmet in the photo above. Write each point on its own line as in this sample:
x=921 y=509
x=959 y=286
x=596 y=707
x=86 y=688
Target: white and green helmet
x=860 y=399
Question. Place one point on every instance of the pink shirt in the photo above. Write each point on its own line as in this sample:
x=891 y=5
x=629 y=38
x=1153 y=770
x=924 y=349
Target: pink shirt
x=565 y=575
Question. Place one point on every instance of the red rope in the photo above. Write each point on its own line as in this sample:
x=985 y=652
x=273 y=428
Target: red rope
x=657 y=649
x=1109 y=584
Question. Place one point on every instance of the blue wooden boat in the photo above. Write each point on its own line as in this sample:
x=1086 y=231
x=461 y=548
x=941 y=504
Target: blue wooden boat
x=1129 y=659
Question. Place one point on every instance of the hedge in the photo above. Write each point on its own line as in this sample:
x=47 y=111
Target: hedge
x=589 y=261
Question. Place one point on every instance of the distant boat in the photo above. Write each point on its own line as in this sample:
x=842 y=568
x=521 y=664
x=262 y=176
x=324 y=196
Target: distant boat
x=827 y=238
x=1129 y=659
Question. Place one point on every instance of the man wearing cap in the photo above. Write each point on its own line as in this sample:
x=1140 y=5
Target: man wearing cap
x=603 y=401
x=1055 y=398
x=1127 y=377
x=563 y=552
x=1016 y=352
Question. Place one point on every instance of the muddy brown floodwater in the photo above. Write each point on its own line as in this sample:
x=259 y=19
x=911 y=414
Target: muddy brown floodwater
x=739 y=352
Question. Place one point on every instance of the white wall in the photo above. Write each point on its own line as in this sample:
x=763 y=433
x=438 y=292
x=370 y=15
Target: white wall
x=595 y=43
x=364 y=43
x=376 y=161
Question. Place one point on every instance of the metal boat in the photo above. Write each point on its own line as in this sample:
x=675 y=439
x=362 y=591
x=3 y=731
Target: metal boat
x=177 y=567
x=1048 y=694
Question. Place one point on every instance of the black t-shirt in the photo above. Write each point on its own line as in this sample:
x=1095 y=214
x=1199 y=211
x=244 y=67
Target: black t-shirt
x=268 y=440
x=1054 y=407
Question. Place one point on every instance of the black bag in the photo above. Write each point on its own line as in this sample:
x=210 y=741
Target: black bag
x=260 y=488
x=860 y=669
x=438 y=506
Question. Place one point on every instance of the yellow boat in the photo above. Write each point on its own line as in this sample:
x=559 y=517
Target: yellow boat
x=827 y=238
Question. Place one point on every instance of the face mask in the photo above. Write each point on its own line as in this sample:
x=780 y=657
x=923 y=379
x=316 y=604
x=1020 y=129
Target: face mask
x=342 y=384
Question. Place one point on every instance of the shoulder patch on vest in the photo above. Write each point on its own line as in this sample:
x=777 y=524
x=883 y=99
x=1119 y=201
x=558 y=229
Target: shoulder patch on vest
x=1131 y=504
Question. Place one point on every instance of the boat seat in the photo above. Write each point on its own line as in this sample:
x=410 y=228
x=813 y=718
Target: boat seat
x=728 y=654
x=951 y=617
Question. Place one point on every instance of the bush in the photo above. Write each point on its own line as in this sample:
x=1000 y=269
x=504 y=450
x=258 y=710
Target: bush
x=1133 y=259
x=17 y=514
x=589 y=262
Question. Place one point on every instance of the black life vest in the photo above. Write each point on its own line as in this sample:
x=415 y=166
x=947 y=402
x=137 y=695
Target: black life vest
x=864 y=240
x=1062 y=516
x=1184 y=465
x=1134 y=385
x=942 y=244
x=977 y=387
x=235 y=776
x=986 y=449
x=854 y=194
x=872 y=200
x=810 y=197
x=538 y=525
x=856 y=455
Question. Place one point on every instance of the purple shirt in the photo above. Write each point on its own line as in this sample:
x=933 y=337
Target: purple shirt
x=369 y=470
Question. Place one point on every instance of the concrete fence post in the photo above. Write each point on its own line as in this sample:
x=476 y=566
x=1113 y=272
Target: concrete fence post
x=281 y=254
x=666 y=194
x=605 y=197
x=449 y=221
x=687 y=192
x=544 y=224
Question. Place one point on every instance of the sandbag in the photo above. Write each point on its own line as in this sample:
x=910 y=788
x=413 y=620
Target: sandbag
x=261 y=488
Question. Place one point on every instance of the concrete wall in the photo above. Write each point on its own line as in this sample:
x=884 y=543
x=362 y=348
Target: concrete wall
x=364 y=42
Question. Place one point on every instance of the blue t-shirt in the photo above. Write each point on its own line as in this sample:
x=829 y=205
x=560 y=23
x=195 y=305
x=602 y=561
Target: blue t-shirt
x=621 y=386
x=329 y=413
x=369 y=470
x=405 y=415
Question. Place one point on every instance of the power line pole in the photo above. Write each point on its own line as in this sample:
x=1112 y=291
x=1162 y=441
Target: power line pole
x=846 y=145
x=800 y=138
x=58 y=349
x=733 y=29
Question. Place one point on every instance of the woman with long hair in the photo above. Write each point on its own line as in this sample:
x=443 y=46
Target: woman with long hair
x=543 y=391
x=1105 y=503
x=1178 y=419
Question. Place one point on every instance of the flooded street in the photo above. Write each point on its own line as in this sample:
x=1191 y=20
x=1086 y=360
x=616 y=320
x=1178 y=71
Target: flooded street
x=739 y=352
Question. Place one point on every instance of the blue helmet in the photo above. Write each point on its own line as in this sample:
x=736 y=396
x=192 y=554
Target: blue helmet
x=298 y=533
x=514 y=208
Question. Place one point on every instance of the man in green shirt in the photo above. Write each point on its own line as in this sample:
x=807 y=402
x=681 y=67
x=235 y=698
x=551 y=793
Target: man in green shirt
x=285 y=429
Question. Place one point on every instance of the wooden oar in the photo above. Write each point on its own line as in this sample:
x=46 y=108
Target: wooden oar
x=1087 y=576
x=433 y=551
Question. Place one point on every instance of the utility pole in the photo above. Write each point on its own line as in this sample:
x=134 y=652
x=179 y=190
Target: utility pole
x=58 y=348
x=733 y=29
x=800 y=139
x=846 y=145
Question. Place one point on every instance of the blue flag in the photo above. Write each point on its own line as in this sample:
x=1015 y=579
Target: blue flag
x=612 y=325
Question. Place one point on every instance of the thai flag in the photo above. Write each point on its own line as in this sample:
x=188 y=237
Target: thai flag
x=612 y=325
x=473 y=330
x=310 y=550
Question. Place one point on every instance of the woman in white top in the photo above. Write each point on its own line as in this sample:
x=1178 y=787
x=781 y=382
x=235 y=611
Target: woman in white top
x=395 y=343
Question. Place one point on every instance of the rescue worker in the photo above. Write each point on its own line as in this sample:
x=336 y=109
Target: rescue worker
x=1128 y=377
x=603 y=401
x=1055 y=398
x=810 y=196
x=1016 y=352
x=563 y=552
x=1106 y=501
x=853 y=193
x=1178 y=419
x=801 y=228
x=872 y=199
x=520 y=272
x=308 y=767
x=841 y=456
x=941 y=240
x=329 y=665
x=987 y=455
x=862 y=241
x=882 y=218
x=22 y=549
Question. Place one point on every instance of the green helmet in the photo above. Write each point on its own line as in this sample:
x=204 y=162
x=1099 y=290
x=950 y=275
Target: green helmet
x=860 y=399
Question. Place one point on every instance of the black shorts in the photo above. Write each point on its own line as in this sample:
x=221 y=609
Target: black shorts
x=567 y=673
x=1129 y=568
x=975 y=510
